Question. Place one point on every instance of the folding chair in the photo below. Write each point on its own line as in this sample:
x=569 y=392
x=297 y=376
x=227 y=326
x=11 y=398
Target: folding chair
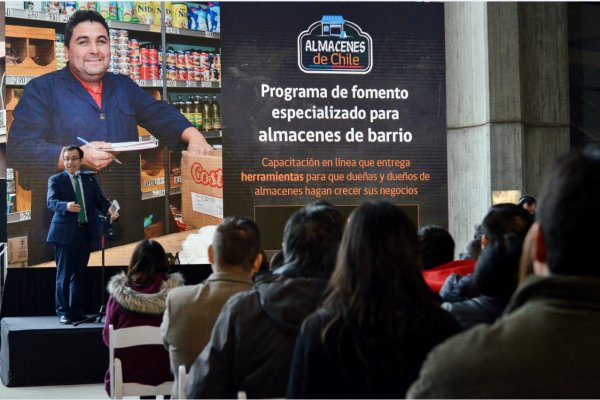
x=129 y=337
x=181 y=380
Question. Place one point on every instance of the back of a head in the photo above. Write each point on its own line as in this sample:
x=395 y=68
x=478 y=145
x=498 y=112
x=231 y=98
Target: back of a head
x=472 y=250
x=147 y=261
x=236 y=243
x=378 y=266
x=437 y=246
x=569 y=213
x=497 y=270
x=311 y=238
x=506 y=218
x=526 y=199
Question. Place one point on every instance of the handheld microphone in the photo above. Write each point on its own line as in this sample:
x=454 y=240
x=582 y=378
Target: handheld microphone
x=79 y=173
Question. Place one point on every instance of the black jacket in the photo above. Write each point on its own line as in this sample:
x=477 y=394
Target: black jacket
x=384 y=367
x=253 y=339
x=478 y=310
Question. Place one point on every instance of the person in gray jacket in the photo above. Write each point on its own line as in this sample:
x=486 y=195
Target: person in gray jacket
x=191 y=311
x=252 y=343
x=547 y=344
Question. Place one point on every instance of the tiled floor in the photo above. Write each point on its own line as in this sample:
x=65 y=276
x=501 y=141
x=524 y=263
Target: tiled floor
x=93 y=391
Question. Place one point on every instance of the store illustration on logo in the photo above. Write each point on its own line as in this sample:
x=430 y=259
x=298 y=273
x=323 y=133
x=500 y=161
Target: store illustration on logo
x=334 y=45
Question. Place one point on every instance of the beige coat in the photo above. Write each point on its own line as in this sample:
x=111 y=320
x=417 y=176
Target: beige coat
x=191 y=312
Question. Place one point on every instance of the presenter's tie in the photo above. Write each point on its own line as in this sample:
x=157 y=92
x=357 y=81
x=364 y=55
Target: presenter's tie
x=79 y=198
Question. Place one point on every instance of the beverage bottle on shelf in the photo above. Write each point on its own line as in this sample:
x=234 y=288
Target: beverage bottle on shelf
x=181 y=104
x=215 y=109
x=206 y=114
x=199 y=120
x=189 y=112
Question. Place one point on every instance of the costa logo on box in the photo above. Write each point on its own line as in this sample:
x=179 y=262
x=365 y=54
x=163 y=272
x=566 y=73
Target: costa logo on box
x=335 y=46
x=212 y=178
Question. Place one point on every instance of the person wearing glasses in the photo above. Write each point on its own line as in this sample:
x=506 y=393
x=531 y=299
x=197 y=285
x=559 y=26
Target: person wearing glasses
x=75 y=199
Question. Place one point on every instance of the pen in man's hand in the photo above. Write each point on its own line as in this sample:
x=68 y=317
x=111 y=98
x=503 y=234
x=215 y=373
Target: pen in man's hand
x=82 y=140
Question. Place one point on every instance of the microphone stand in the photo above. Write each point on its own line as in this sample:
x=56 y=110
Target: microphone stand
x=101 y=313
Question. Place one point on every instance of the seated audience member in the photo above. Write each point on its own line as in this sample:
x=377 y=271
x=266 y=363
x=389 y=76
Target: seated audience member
x=547 y=344
x=277 y=260
x=526 y=262
x=528 y=203
x=265 y=265
x=378 y=320
x=251 y=345
x=138 y=298
x=472 y=250
x=437 y=246
x=436 y=277
x=235 y=255
x=501 y=219
x=497 y=270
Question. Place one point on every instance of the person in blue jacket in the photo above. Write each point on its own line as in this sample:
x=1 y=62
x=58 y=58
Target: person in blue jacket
x=84 y=100
x=75 y=199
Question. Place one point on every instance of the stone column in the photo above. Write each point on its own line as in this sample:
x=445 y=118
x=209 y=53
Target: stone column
x=507 y=102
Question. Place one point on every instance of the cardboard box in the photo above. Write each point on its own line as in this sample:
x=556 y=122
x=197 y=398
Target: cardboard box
x=202 y=189
x=17 y=250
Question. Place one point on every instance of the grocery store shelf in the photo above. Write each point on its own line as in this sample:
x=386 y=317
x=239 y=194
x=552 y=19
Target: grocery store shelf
x=212 y=134
x=159 y=193
x=19 y=80
x=179 y=84
x=18 y=217
x=133 y=27
x=189 y=32
x=35 y=15
x=63 y=18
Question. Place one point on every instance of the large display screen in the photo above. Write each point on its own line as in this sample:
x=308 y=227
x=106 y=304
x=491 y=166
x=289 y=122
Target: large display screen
x=342 y=102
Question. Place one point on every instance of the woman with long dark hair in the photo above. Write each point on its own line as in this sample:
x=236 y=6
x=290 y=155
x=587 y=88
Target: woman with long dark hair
x=378 y=320
x=138 y=298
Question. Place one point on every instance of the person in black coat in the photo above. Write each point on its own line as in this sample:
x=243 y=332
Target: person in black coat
x=495 y=277
x=378 y=320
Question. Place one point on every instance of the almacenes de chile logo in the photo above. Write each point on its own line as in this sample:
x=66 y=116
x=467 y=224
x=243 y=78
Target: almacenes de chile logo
x=335 y=46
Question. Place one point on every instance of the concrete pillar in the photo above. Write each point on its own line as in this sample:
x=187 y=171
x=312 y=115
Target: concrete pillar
x=507 y=102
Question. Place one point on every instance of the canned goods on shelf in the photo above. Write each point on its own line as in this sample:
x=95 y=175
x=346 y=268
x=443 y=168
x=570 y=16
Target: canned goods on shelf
x=171 y=74
x=180 y=59
x=153 y=57
x=144 y=56
x=153 y=71
x=205 y=74
x=196 y=59
x=145 y=71
x=204 y=60
x=171 y=57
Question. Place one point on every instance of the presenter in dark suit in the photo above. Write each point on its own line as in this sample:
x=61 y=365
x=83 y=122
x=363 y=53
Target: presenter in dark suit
x=76 y=200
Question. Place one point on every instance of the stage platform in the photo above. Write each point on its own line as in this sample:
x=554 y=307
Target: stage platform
x=29 y=292
x=36 y=351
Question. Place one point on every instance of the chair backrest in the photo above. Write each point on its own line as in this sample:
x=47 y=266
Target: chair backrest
x=129 y=337
x=181 y=380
